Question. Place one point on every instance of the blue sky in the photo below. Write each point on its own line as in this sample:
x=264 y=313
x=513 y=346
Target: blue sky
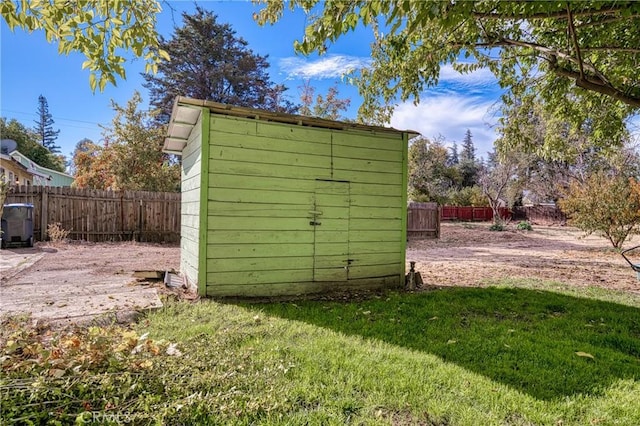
x=31 y=67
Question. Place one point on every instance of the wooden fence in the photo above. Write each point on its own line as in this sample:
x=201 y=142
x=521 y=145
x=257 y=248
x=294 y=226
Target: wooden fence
x=466 y=213
x=96 y=215
x=540 y=214
x=423 y=221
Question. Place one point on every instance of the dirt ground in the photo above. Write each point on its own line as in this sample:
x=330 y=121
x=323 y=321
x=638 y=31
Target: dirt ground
x=71 y=282
x=76 y=281
x=468 y=254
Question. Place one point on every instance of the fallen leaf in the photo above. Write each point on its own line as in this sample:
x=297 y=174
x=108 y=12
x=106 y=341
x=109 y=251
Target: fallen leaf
x=56 y=372
x=584 y=355
x=451 y=341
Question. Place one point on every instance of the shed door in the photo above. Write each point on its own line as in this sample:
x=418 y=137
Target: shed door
x=330 y=219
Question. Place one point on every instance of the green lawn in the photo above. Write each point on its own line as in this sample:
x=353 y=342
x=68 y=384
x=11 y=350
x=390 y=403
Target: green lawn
x=461 y=356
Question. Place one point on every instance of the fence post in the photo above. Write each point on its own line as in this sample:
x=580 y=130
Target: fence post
x=44 y=213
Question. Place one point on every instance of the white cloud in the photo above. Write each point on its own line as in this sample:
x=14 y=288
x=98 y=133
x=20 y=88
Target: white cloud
x=479 y=78
x=450 y=115
x=330 y=66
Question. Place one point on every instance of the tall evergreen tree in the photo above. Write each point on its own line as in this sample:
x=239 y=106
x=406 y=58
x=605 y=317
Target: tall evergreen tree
x=453 y=157
x=44 y=127
x=468 y=164
x=468 y=149
x=208 y=61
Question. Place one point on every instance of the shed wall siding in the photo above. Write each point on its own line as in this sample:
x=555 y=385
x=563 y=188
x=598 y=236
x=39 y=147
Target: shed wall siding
x=190 y=212
x=263 y=187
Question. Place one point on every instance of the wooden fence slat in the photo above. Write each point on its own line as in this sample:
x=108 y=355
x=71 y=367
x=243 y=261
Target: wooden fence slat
x=97 y=215
x=423 y=221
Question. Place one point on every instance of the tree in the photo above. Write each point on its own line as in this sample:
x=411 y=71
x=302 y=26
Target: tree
x=558 y=155
x=454 y=158
x=132 y=158
x=501 y=181
x=528 y=125
x=576 y=56
x=607 y=204
x=44 y=127
x=102 y=30
x=208 y=61
x=468 y=164
x=28 y=145
x=468 y=148
x=468 y=196
x=88 y=167
x=328 y=106
x=430 y=178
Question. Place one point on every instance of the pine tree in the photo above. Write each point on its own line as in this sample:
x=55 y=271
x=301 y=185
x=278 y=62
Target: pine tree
x=453 y=157
x=208 y=61
x=468 y=164
x=44 y=127
x=468 y=149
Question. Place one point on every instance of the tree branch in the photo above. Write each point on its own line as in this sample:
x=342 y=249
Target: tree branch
x=613 y=49
x=549 y=15
x=574 y=38
x=596 y=86
x=607 y=20
x=596 y=83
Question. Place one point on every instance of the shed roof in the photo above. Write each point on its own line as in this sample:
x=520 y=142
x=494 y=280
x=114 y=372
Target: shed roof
x=186 y=112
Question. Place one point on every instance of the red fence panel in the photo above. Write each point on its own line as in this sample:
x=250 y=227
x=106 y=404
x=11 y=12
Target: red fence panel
x=466 y=213
x=449 y=213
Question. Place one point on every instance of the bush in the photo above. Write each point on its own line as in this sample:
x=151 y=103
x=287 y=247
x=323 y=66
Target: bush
x=57 y=233
x=524 y=226
x=605 y=204
x=497 y=227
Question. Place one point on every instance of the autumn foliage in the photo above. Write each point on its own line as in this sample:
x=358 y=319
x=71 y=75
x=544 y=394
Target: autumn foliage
x=131 y=158
x=606 y=205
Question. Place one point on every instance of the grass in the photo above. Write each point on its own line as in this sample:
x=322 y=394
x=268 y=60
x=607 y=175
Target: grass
x=461 y=356
x=525 y=339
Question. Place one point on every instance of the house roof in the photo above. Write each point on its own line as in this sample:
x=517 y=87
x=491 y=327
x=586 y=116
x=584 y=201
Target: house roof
x=37 y=169
x=6 y=157
x=186 y=112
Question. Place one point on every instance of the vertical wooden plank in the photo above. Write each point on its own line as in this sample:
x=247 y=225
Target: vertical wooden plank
x=44 y=212
x=403 y=215
x=204 y=194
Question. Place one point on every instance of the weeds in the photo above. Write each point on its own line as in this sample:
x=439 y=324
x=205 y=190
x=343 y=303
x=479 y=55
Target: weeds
x=57 y=234
x=69 y=375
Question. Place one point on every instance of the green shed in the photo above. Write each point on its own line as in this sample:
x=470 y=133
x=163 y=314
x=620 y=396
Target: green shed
x=281 y=205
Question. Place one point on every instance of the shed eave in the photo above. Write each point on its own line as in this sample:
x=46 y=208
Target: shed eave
x=279 y=117
x=183 y=120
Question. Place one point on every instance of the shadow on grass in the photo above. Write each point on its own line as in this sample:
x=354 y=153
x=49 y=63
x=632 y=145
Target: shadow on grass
x=545 y=344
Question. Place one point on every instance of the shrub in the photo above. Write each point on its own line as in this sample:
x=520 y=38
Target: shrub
x=606 y=205
x=524 y=226
x=57 y=233
x=497 y=227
